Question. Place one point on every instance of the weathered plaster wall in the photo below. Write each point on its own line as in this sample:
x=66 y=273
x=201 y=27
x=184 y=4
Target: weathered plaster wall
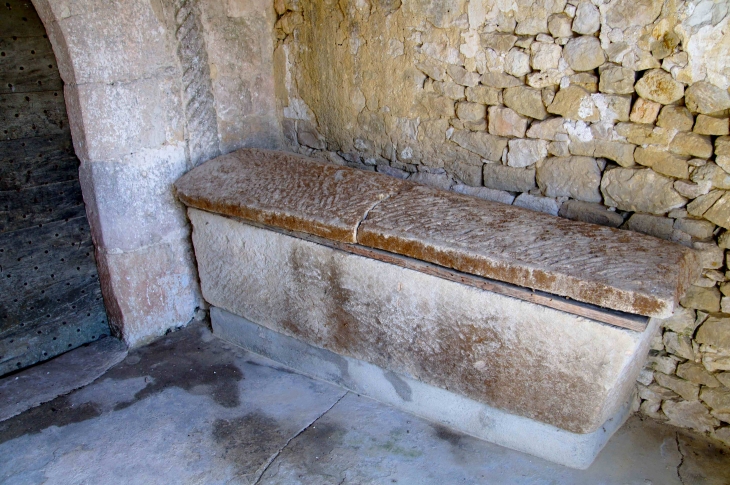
x=613 y=112
x=154 y=87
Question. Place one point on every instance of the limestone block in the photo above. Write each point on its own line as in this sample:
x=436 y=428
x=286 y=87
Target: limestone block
x=619 y=152
x=500 y=42
x=574 y=103
x=242 y=75
x=708 y=125
x=612 y=107
x=462 y=76
x=545 y=56
x=682 y=322
x=711 y=255
x=714 y=359
x=550 y=129
x=666 y=364
x=486 y=193
x=113 y=42
x=523 y=153
x=499 y=80
x=517 y=62
x=411 y=223
x=466 y=111
x=657 y=85
x=697 y=228
x=450 y=90
x=644 y=111
x=506 y=122
x=691 y=190
x=587 y=19
x=500 y=177
x=661 y=227
x=149 y=291
x=559 y=25
x=680 y=345
x=593 y=366
x=719 y=213
x=686 y=389
x=722 y=146
x=712 y=174
x=676 y=118
x=131 y=203
x=717 y=399
x=525 y=101
x=691 y=144
x=724 y=378
x=484 y=95
x=485 y=145
x=705 y=98
x=617 y=80
x=559 y=149
x=575 y=177
x=537 y=203
x=116 y=119
x=438 y=180
x=641 y=134
x=689 y=414
x=697 y=374
x=593 y=213
x=703 y=203
x=705 y=299
x=299 y=195
x=722 y=434
x=715 y=331
x=584 y=53
x=640 y=190
x=662 y=161
x=586 y=80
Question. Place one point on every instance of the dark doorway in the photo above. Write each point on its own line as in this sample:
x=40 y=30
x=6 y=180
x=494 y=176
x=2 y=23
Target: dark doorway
x=50 y=298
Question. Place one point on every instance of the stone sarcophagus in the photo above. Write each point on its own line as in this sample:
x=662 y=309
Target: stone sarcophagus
x=513 y=326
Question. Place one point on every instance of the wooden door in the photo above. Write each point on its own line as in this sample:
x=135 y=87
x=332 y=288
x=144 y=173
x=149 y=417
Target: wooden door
x=50 y=298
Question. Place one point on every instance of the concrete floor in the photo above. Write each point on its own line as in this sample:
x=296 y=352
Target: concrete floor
x=193 y=409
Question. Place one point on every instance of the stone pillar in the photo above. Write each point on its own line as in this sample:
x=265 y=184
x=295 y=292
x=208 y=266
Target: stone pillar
x=123 y=94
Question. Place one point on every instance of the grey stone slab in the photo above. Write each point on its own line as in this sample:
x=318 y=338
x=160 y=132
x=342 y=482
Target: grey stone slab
x=29 y=388
x=437 y=405
x=599 y=265
x=286 y=190
x=188 y=408
x=510 y=354
x=344 y=447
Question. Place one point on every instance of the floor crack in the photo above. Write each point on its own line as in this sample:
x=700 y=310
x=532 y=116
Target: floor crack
x=262 y=469
x=681 y=462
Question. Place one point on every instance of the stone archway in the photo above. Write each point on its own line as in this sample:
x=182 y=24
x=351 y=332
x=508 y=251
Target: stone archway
x=152 y=88
x=123 y=99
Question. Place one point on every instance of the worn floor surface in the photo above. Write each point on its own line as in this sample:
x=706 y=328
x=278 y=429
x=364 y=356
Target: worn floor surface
x=193 y=409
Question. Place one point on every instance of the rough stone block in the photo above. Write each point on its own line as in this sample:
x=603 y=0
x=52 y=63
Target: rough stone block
x=109 y=121
x=640 y=190
x=575 y=177
x=153 y=289
x=411 y=223
x=114 y=42
x=391 y=304
x=131 y=202
x=593 y=213
x=501 y=177
x=287 y=191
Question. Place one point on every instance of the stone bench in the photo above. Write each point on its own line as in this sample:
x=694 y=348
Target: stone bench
x=517 y=327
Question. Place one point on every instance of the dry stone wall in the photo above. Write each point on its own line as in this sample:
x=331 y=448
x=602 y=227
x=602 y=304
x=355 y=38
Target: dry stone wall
x=611 y=112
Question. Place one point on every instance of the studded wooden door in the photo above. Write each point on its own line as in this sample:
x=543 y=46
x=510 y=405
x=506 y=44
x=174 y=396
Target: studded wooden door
x=50 y=298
